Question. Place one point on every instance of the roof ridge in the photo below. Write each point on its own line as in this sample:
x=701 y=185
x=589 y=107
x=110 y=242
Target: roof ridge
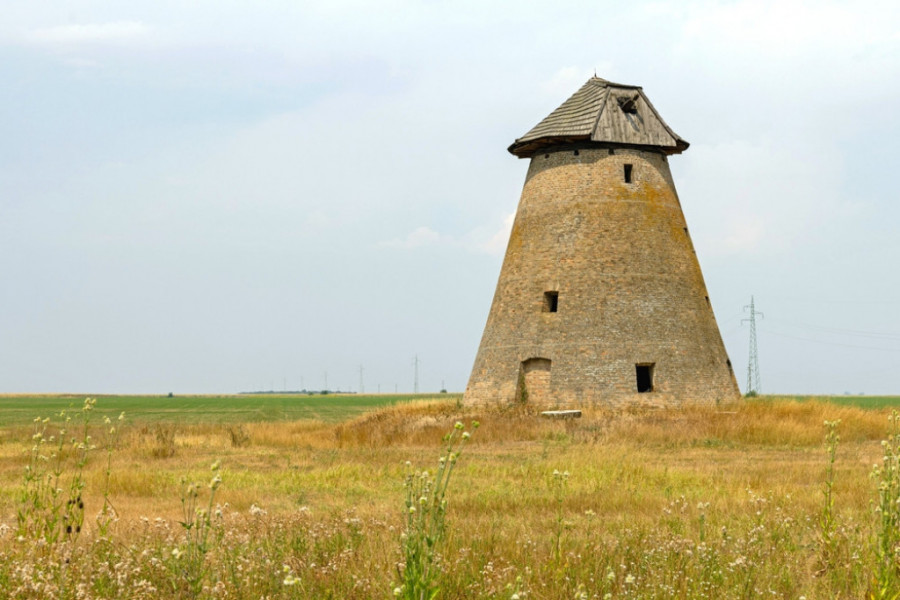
x=600 y=112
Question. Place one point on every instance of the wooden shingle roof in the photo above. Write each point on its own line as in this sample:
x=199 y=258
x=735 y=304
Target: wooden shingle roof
x=603 y=112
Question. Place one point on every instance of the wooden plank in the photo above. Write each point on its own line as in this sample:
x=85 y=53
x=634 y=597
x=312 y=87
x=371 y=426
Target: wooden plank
x=561 y=414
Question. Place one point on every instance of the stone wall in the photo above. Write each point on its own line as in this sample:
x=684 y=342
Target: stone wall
x=630 y=290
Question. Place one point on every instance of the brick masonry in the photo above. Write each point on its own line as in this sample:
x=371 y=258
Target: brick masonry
x=630 y=291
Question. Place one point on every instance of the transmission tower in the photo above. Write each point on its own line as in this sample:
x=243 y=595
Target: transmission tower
x=416 y=377
x=753 y=360
x=362 y=387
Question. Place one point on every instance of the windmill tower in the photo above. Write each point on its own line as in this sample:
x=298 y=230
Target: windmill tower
x=601 y=298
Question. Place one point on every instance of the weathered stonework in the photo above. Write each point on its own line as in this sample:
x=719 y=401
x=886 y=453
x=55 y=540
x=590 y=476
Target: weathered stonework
x=632 y=309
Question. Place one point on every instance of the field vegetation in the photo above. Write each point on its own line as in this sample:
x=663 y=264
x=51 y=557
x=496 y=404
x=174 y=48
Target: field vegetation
x=21 y=409
x=774 y=498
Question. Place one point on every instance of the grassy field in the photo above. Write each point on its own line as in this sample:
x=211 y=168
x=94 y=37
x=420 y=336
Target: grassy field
x=870 y=402
x=21 y=409
x=242 y=408
x=740 y=502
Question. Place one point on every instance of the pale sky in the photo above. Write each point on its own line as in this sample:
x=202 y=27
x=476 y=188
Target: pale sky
x=224 y=196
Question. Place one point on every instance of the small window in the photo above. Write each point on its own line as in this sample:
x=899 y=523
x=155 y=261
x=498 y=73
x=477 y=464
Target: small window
x=628 y=169
x=551 y=301
x=628 y=104
x=644 y=374
x=575 y=153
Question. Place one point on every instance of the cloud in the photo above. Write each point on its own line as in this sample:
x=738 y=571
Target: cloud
x=420 y=236
x=793 y=40
x=744 y=236
x=480 y=240
x=81 y=63
x=497 y=243
x=318 y=219
x=566 y=80
x=776 y=27
x=761 y=197
x=118 y=32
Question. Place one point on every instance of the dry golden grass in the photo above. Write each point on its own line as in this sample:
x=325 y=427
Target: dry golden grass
x=772 y=445
x=639 y=480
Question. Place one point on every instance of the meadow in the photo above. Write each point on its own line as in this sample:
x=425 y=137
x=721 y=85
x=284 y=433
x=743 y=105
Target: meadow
x=18 y=409
x=311 y=500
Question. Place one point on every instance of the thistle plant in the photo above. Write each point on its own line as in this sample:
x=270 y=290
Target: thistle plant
x=51 y=507
x=108 y=513
x=559 y=484
x=826 y=520
x=189 y=561
x=886 y=579
x=425 y=512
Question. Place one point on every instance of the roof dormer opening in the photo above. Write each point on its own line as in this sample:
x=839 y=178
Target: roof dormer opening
x=628 y=104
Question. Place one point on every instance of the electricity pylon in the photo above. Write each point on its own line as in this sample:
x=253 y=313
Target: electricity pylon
x=753 y=360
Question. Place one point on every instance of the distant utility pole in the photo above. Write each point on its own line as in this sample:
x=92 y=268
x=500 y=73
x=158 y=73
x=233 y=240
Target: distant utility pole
x=416 y=378
x=753 y=360
x=362 y=387
x=326 y=380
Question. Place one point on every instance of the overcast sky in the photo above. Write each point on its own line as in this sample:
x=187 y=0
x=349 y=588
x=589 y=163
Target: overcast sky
x=225 y=196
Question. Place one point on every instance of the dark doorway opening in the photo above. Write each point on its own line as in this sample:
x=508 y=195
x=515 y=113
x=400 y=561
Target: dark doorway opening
x=551 y=301
x=644 y=377
x=628 y=169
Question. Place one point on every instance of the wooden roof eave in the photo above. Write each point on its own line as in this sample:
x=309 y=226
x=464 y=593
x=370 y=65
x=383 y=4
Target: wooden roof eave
x=531 y=147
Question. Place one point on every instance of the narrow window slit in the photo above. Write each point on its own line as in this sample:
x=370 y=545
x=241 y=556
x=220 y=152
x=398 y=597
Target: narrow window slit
x=628 y=169
x=551 y=302
x=644 y=374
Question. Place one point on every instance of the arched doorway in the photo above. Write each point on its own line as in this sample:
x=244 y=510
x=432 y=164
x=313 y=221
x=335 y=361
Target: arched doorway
x=534 y=381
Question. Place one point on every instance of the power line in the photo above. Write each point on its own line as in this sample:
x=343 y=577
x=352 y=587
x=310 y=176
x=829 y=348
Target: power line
x=753 y=360
x=880 y=335
x=802 y=339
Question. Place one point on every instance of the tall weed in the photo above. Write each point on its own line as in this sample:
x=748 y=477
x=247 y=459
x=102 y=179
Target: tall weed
x=886 y=576
x=198 y=522
x=426 y=512
x=827 y=518
x=51 y=506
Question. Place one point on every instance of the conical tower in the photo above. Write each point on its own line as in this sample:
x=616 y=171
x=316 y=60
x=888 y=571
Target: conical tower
x=601 y=298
